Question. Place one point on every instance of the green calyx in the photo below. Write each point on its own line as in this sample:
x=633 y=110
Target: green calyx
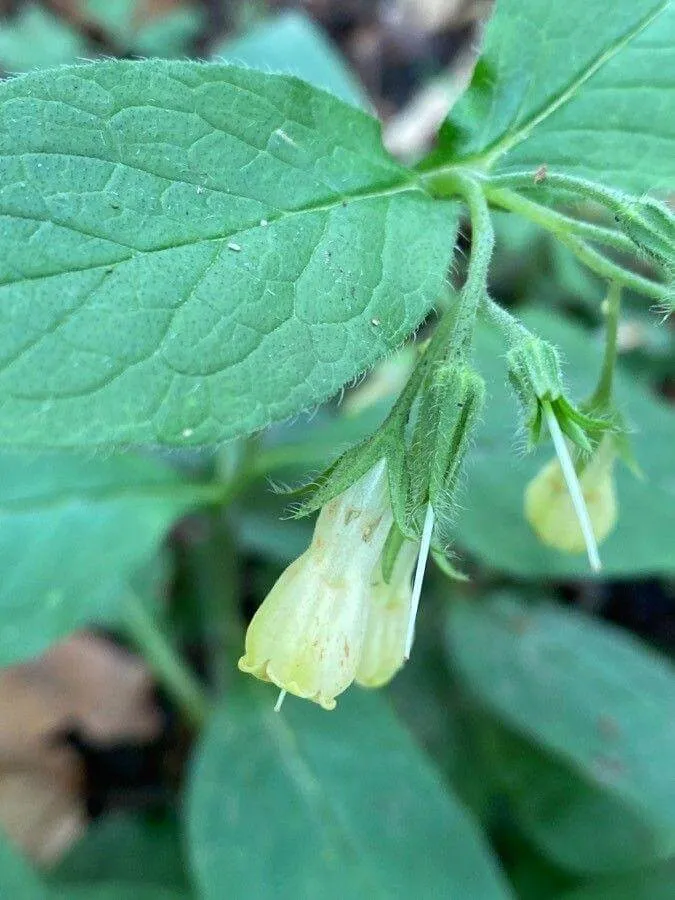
x=424 y=442
x=445 y=422
x=389 y=442
x=536 y=377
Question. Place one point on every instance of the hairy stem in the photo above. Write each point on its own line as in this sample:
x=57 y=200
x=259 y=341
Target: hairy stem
x=603 y=392
x=596 y=262
x=511 y=327
x=482 y=245
x=171 y=672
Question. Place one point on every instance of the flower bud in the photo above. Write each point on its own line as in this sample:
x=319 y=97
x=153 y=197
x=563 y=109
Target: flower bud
x=384 y=643
x=445 y=425
x=307 y=635
x=549 y=509
x=536 y=378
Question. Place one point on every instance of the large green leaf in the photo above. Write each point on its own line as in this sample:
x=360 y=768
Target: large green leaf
x=114 y=891
x=293 y=44
x=125 y=849
x=304 y=805
x=589 y=714
x=17 y=880
x=190 y=251
x=72 y=530
x=492 y=524
x=655 y=884
x=583 y=89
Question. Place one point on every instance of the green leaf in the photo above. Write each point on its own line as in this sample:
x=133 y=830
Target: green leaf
x=146 y=300
x=18 y=881
x=35 y=38
x=586 y=758
x=585 y=90
x=303 y=805
x=72 y=530
x=654 y=884
x=292 y=44
x=114 y=891
x=124 y=848
x=579 y=826
x=492 y=523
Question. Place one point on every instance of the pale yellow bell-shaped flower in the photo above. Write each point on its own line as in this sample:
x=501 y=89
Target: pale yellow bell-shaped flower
x=307 y=635
x=549 y=509
x=384 y=645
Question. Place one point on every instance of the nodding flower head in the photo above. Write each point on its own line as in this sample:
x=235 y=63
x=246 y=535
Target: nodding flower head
x=384 y=645
x=308 y=634
x=549 y=508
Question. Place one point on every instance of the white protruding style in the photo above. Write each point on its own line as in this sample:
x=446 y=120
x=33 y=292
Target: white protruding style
x=425 y=546
x=573 y=487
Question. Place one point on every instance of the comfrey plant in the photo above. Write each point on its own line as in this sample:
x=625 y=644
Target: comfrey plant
x=192 y=251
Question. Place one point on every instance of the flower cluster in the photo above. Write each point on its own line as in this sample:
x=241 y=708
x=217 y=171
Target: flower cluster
x=331 y=618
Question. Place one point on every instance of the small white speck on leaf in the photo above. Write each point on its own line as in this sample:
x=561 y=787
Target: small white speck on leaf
x=375 y=322
x=284 y=137
x=200 y=189
x=233 y=246
x=264 y=223
x=188 y=432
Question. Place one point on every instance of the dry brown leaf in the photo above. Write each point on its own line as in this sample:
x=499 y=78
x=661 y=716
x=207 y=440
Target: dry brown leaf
x=42 y=815
x=86 y=684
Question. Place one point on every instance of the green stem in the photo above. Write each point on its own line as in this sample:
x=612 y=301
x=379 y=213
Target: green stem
x=541 y=215
x=482 y=245
x=589 y=231
x=171 y=672
x=609 y=198
x=455 y=183
x=512 y=328
x=649 y=224
x=603 y=392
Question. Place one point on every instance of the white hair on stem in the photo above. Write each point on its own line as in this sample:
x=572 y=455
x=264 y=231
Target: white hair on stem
x=573 y=487
x=425 y=545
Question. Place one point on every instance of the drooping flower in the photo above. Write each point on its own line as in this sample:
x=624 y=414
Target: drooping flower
x=549 y=508
x=384 y=645
x=307 y=636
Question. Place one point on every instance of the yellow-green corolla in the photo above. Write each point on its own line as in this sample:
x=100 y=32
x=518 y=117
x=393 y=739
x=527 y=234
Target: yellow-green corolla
x=389 y=604
x=549 y=508
x=308 y=635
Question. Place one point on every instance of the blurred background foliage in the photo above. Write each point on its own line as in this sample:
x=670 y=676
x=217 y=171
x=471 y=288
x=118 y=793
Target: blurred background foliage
x=530 y=748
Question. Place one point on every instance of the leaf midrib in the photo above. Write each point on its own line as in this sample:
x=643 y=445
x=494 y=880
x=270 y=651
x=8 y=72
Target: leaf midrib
x=315 y=797
x=408 y=182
